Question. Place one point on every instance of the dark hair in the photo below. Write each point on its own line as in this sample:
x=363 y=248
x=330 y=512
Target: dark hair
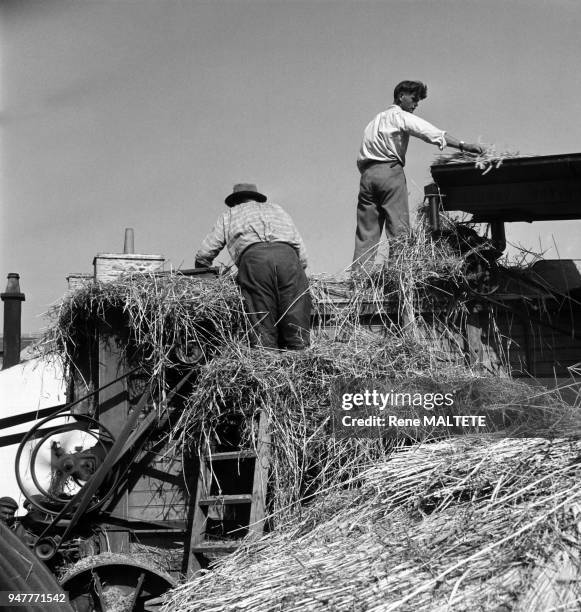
x=412 y=87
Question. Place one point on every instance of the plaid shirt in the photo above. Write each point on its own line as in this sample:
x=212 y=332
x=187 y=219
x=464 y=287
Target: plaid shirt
x=246 y=224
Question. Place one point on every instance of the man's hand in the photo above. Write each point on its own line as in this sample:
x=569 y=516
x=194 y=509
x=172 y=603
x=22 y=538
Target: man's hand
x=469 y=147
x=473 y=148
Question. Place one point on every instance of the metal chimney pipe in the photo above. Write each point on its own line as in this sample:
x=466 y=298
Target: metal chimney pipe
x=434 y=198
x=12 y=299
x=128 y=246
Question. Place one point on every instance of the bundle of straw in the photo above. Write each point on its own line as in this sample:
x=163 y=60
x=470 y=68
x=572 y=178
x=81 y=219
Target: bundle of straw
x=486 y=161
x=150 y=315
x=466 y=524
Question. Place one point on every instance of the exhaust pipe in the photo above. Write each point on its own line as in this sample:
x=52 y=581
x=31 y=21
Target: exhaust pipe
x=12 y=299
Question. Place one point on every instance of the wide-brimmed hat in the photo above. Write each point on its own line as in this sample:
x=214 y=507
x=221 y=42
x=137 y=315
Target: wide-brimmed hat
x=242 y=191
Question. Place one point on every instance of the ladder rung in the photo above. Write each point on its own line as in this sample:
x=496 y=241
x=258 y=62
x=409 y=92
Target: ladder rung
x=244 y=498
x=214 y=546
x=244 y=454
x=226 y=508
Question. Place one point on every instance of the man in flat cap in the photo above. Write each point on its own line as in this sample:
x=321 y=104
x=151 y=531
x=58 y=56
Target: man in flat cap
x=270 y=254
x=8 y=508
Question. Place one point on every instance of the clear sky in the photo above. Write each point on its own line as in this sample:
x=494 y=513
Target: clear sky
x=143 y=113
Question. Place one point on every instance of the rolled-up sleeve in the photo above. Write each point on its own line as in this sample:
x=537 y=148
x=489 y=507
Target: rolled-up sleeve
x=420 y=128
x=212 y=244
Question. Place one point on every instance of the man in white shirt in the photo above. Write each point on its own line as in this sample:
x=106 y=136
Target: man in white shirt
x=265 y=244
x=383 y=197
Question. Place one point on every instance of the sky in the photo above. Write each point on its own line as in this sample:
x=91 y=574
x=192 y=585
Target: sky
x=144 y=113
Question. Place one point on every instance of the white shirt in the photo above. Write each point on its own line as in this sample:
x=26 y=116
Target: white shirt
x=386 y=138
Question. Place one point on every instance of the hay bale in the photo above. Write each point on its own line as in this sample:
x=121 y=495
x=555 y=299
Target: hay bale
x=465 y=524
x=553 y=584
x=152 y=318
x=298 y=391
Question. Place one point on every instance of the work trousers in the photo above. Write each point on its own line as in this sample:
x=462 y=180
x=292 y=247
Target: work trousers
x=382 y=201
x=276 y=294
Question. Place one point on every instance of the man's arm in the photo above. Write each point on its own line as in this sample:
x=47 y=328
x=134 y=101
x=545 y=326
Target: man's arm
x=420 y=128
x=212 y=244
x=453 y=142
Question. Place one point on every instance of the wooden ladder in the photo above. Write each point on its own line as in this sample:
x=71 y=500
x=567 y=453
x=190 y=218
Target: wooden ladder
x=219 y=509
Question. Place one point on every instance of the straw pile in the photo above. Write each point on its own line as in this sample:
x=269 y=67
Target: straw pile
x=420 y=274
x=156 y=320
x=150 y=316
x=486 y=161
x=156 y=314
x=153 y=315
x=466 y=524
x=300 y=393
x=380 y=522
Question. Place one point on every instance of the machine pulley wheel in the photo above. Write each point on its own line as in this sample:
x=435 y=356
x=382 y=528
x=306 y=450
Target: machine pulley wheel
x=58 y=457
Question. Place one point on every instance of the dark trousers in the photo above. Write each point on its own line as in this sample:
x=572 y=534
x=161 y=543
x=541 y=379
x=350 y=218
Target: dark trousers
x=276 y=293
x=383 y=200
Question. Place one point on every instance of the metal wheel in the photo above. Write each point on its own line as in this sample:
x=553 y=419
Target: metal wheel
x=482 y=277
x=114 y=583
x=58 y=457
x=22 y=572
x=189 y=351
